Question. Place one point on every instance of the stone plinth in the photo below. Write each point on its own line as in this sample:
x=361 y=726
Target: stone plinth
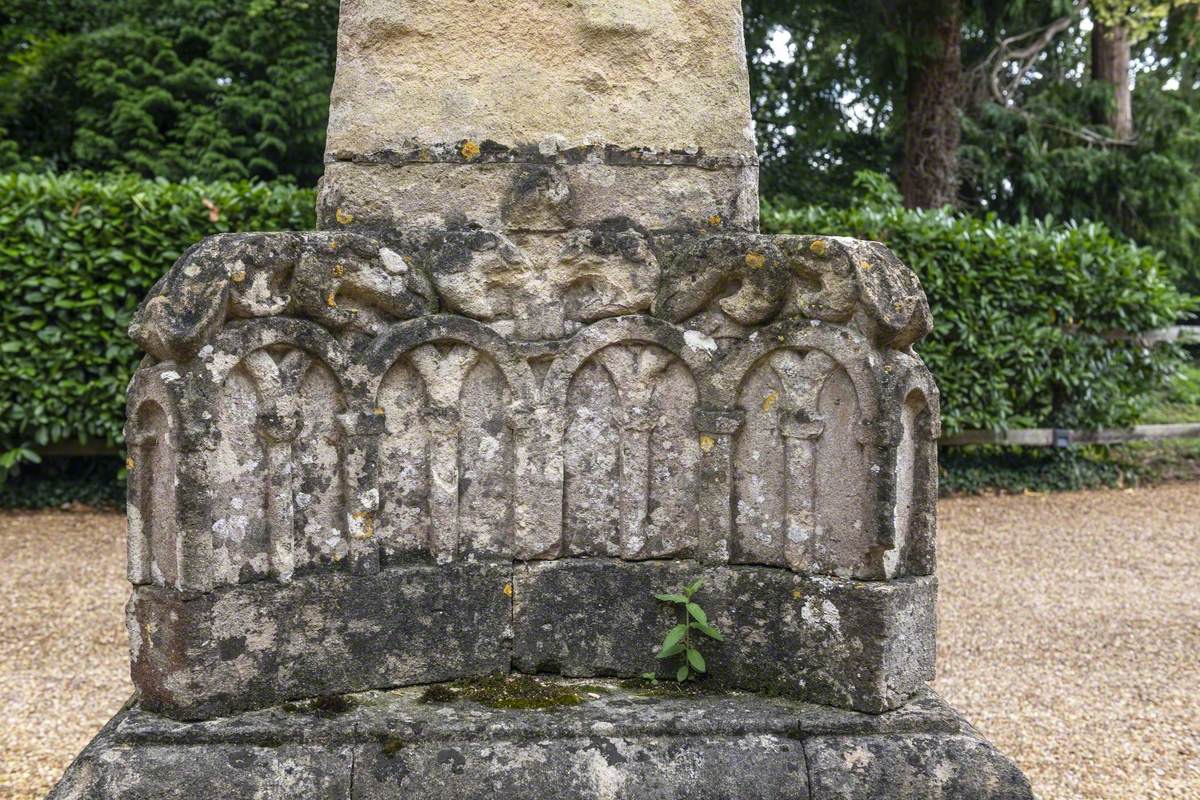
x=615 y=745
x=327 y=496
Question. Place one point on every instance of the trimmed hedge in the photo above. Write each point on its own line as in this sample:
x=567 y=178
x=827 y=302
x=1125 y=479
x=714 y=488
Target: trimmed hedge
x=77 y=254
x=1023 y=314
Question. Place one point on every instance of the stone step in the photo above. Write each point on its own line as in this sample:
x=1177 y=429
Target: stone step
x=578 y=740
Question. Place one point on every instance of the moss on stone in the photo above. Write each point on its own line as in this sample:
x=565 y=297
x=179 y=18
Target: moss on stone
x=513 y=692
x=393 y=745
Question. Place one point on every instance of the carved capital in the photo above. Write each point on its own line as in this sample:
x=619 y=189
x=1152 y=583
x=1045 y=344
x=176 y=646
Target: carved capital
x=800 y=425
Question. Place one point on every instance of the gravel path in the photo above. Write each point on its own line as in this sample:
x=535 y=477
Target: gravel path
x=1070 y=636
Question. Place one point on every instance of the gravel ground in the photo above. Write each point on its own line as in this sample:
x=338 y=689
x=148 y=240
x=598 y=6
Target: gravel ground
x=1070 y=636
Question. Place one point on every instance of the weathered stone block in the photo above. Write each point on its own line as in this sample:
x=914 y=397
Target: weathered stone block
x=853 y=644
x=616 y=745
x=917 y=766
x=203 y=655
x=664 y=75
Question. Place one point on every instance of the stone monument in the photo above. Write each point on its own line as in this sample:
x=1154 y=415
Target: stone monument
x=536 y=365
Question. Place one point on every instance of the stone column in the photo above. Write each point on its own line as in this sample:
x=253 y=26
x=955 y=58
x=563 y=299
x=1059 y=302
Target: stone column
x=277 y=432
x=360 y=434
x=444 y=424
x=541 y=117
x=717 y=430
x=800 y=434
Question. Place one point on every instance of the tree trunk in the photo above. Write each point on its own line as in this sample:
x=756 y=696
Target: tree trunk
x=932 y=128
x=1110 y=65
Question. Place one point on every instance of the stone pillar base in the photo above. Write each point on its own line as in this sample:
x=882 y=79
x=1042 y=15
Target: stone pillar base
x=616 y=741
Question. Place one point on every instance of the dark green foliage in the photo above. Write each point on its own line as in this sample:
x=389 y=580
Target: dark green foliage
x=77 y=254
x=971 y=470
x=1024 y=314
x=219 y=89
x=836 y=108
x=56 y=482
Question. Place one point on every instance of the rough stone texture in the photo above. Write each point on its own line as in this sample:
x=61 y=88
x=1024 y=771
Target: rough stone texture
x=536 y=115
x=665 y=75
x=517 y=197
x=204 y=655
x=728 y=399
x=852 y=644
x=614 y=745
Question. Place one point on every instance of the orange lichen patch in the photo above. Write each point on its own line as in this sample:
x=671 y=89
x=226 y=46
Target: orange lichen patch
x=818 y=247
x=379 y=412
x=331 y=300
x=343 y=217
x=470 y=150
x=755 y=260
x=707 y=443
x=769 y=401
x=508 y=590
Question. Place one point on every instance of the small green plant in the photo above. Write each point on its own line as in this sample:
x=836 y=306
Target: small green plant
x=678 y=641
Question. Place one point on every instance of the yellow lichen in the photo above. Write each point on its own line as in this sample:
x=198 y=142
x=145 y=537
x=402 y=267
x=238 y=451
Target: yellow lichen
x=769 y=401
x=339 y=271
x=817 y=247
x=238 y=276
x=714 y=220
x=379 y=411
x=129 y=464
x=797 y=595
x=470 y=150
x=755 y=260
x=331 y=300
x=365 y=527
x=508 y=590
x=343 y=217
x=864 y=265
x=707 y=443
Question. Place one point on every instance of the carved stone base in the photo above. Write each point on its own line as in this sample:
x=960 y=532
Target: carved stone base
x=615 y=744
x=866 y=645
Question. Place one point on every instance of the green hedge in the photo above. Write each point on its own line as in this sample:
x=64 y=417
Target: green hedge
x=1024 y=314
x=77 y=253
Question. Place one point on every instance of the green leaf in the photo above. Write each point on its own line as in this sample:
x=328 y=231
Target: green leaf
x=673 y=650
x=697 y=613
x=695 y=659
x=695 y=586
x=709 y=631
x=674 y=636
x=671 y=598
x=682 y=674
